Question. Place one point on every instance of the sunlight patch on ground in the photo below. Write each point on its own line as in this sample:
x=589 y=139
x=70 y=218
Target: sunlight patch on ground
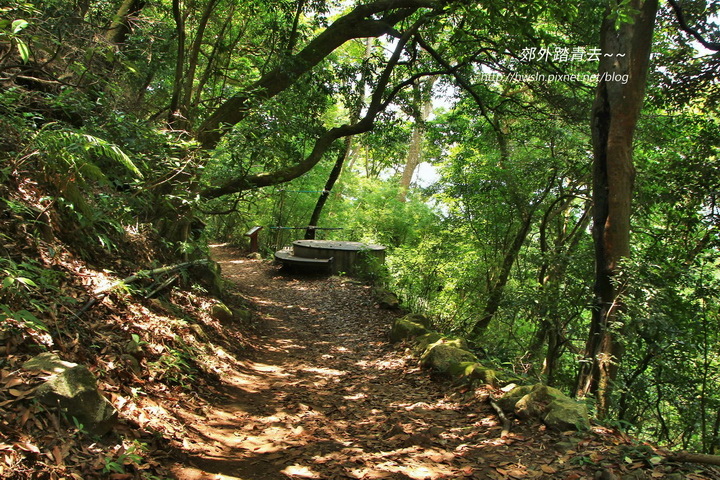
x=276 y=370
x=357 y=396
x=300 y=471
x=233 y=261
x=324 y=371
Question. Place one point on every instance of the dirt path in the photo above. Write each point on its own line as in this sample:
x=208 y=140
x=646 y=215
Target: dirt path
x=327 y=397
x=324 y=396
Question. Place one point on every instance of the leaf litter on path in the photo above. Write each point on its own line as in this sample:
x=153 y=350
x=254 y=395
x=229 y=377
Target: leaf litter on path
x=325 y=396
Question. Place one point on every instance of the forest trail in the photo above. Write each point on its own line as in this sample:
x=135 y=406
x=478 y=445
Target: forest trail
x=323 y=395
x=326 y=396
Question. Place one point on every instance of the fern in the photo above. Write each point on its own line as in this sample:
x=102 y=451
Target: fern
x=70 y=162
x=84 y=147
x=110 y=150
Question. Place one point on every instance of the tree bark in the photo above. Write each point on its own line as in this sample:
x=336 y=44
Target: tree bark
x=192 y=62
x=334 y=175
x=119 y=27
x=625 y=51
x=179 y=18
x=498 y=287
x=414 y=156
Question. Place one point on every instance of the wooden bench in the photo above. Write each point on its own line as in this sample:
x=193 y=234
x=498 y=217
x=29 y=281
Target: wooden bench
x=290 y=260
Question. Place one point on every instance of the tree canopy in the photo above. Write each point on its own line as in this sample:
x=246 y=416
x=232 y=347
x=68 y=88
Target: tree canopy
x=568 y=225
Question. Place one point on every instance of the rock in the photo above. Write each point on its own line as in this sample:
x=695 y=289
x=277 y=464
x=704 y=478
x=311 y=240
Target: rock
x=198 y=331
x=242 y=315
x=477 y=373
x=386 y=299
x=419 y=318
x=424 y=341
x=508 y=401
x=445 y=358
x=254 y=256
x=404 y=329
x=548 y=405
x=220 y=312
x=73 y=388
x=567 y=414
x=208 y=275
x=133 y=347
x=132 y=363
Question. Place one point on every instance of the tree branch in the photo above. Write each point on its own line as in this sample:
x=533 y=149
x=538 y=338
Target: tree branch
x=323 y=143
x=359 y=23
x=691 y=31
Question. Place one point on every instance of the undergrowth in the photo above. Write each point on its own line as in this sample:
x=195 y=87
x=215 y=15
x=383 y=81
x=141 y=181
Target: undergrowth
x=79 y=213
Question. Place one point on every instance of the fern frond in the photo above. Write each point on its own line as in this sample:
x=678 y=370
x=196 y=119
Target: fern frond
x=112 y=151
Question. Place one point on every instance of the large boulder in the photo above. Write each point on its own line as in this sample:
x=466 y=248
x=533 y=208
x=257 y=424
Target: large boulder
x=446 y=358
x=73 y=388
x=404 y=329
x=547 y=404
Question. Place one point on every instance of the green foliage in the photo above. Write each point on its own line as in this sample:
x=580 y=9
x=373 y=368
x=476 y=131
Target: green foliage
x=10 y=32
x=23 y=292
x=175 y=365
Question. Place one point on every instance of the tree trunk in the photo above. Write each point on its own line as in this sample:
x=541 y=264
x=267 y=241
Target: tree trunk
x=119 y=27
x=192 y=63
x=414 y=156
x=176 y=115
x=618 y=100
x=334 y=175
x=498 y=287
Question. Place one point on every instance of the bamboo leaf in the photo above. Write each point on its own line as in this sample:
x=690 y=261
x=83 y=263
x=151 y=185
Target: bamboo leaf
x=18 y=25
x=23 y=50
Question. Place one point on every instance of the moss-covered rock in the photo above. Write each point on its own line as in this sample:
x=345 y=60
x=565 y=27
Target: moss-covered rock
x=419 y=318
x=73 y=389
x=508 y=401
x=430 y=339
x=547 y=404
x=422 y=342
x=475 y=373
x=404 y=329
x=566 y=414
x=221 y=312
x=242 y=315
x=446 y=358
x=386 y=299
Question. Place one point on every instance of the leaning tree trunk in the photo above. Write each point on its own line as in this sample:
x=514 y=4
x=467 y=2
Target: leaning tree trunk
x=334 y=175
x=346 y=152
x=618 y=100
x=119 y=27
x=424 y=105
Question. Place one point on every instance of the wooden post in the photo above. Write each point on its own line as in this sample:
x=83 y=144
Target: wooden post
x=253 y=234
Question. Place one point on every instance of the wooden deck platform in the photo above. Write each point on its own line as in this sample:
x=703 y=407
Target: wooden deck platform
x=339 y=257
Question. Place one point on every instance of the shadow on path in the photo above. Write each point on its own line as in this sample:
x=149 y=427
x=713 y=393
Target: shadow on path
x=327 y=397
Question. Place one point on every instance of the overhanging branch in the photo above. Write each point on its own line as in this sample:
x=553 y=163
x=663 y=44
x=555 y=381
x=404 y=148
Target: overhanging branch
x=378 y=103
x=691 y=31
x=361 y=22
